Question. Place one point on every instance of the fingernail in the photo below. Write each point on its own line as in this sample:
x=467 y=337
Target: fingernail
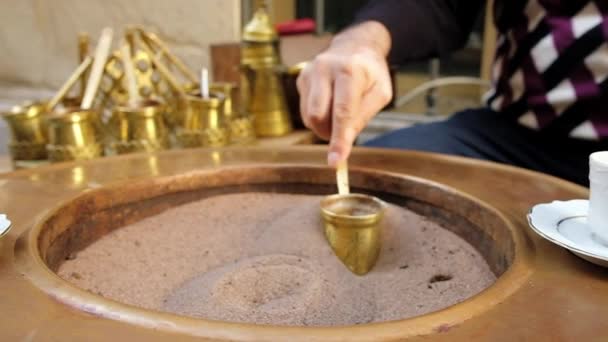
x=316 y=116
x=333 y=158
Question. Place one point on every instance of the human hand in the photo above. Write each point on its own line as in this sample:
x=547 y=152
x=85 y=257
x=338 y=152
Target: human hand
x=345 y=86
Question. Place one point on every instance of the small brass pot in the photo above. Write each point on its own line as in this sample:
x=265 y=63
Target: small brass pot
x=28 y=128
x=175 y=115
x=228 y=91
x=74 y=135
x=140 y=128
x=241 y=127
x=353 y=228
x=242 y=130
x=204 y=123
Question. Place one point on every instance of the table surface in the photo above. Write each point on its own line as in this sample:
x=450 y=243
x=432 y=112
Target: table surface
x=558 y=296
x=299 y=137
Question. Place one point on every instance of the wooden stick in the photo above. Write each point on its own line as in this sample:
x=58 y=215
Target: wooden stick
x=83 y=52
x=129 y=70
x=130 y=36
x=99 y=62
x=342 y=178
x=204 y=83
x=164 y=72
x=75 y=76
x=153 y=39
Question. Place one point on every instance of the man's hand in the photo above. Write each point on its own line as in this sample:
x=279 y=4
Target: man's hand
x=345 y=86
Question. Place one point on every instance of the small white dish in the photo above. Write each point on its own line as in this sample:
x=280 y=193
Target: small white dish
x=5 y=225
x=565 y=224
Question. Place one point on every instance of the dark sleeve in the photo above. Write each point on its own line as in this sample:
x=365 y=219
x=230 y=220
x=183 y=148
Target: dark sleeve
x=423 y=28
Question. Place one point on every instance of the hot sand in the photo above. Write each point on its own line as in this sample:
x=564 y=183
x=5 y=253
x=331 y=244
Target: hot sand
x=262 y=258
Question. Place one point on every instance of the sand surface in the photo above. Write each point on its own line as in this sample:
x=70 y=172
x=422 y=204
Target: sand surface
x=263 y=258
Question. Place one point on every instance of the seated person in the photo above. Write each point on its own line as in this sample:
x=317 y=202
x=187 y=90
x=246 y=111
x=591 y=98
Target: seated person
x=547 y=110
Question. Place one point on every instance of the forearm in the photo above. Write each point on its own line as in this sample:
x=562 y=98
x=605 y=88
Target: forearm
x=422 y=28
x=369 y=35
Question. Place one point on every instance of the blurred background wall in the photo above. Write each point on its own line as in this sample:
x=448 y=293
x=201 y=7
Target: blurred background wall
x=38 y=37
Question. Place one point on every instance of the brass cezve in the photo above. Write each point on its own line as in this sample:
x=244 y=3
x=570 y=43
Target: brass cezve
x=204 y=122
x=74 y=134
x=28 y=131
x=354 y=237
x=139 y=128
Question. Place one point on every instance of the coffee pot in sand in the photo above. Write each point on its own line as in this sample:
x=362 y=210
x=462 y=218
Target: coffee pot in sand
x=353 y=225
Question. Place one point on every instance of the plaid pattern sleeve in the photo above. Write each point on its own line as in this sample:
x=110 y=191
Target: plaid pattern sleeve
x=551 y=67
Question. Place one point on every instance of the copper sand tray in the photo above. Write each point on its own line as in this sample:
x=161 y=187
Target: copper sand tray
x=543 y=292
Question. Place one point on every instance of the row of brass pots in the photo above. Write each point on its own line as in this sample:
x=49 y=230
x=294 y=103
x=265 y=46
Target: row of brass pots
x=76 y=134
x=262 y=89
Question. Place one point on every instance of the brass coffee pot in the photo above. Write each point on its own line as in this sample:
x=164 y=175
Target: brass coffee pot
x=261 y=77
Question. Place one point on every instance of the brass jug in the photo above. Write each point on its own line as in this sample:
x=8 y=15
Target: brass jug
x=262 y=91
x=265 y=100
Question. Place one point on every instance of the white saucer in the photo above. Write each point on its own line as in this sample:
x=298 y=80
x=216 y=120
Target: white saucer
x=5 y=225
x=565 y=224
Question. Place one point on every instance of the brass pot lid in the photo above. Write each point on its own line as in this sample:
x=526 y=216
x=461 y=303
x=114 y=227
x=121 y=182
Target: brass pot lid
x=260 y=28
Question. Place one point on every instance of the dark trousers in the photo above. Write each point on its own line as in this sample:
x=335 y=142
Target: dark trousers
x=485 y=134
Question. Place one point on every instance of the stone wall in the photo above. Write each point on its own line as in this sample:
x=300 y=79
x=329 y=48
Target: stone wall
x=38 y=37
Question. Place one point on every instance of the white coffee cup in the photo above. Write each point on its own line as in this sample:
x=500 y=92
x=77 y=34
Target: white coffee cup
x=598 y=199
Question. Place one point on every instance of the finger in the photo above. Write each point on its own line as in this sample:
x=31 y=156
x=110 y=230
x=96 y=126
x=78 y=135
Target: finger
x=348 y=89
x=302 y=84
x=318 y=103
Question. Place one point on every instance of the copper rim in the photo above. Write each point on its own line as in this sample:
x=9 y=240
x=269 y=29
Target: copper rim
x=30 y=263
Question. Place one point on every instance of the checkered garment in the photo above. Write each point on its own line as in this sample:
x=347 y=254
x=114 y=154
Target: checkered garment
x=551 y=67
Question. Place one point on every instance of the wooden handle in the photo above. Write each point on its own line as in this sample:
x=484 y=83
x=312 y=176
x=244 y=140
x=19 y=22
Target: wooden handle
x=342 y=178
x=152 y=39
x=164 y=72
x=204 y=83
x=77 y=74
x=129 y=70
x=83 y=52
x=99 y=62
